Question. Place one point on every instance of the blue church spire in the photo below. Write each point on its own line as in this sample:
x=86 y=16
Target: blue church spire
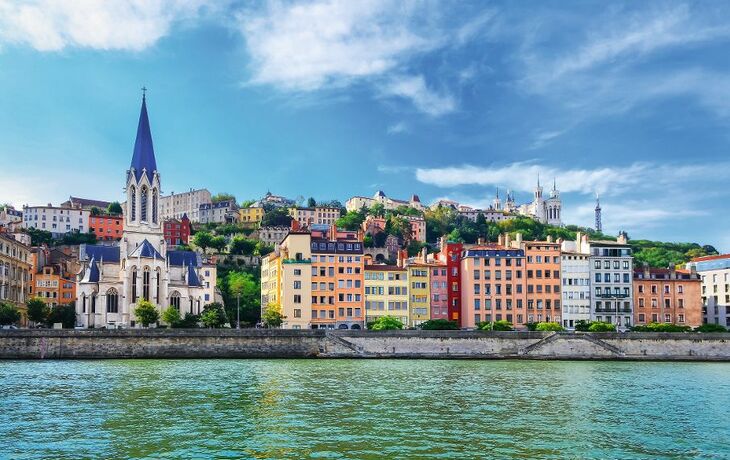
x=144 y=153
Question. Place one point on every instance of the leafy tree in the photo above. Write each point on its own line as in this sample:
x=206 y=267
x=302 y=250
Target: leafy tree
x=37 y=310
x=379 y=239
x=222 y=197
x=439 y=325
x=311 y=202
x=213 y=316
x=242 y=246
x=276 y=217
x=95 y=211
x=114 y=208
x=377 y=210
x=367 y=241
x=399 y=227
x=218 y=243
x=500 y=325
x=146 y=313
x=171 y=316
x=386 y=323
x=404 y=210
x=263 y=249
x=549 y=327
x=9 y=314
x=598 y=326
x=39 y=237
x=244 y=290
x=203 y=240
x=710 y=327
x=272 y=316
x=247 y=203
x=351 y=221
x=75 y=238
x=190 y=321
x=64 y=314
x=414 y=248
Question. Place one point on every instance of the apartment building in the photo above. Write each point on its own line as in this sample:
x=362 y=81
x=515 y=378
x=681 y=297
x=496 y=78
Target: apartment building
x=575 y=273
x=663 y=295
x=56 y=220
x=439 y=290
x=177 y=231
x=223 y=212
x=319 y=215
x=420 y=293
x=251 y=217
x=450 y=255
x=53 y=276
x=175 y=205
x=271 y=236
x=107 y=227
x=386 y=293
x=611 y=268
x=714 y=272
x=15 y=266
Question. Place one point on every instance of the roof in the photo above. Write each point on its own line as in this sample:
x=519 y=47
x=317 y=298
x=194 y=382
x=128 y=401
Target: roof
x=144 y=154
x=93 y=272
x=715 y=257
x=607 y=243
x=192 y=276
x=146 y=250
x=85 y=202
x=99 y=252
x=184 y=258
x=387 y=268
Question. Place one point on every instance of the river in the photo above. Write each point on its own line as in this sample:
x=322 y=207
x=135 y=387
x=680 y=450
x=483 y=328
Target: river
x=363 y=409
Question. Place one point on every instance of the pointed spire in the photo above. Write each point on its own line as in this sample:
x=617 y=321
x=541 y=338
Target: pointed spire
x=144 y=154
x=538 y=179
x=497 y=192
x=555 y=187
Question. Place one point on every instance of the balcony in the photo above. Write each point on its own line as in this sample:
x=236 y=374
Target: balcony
x=613 y=310
x=296 y=261
x=611 y=296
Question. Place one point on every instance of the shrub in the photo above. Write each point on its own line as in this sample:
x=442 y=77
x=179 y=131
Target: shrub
x=213 y=315
x=190 y=321
x=272 y=316
x=598 y=326
x=549 y=327
x=582 y=325
x=387 y=323
x=64 y=314
x=171 y=316
x=710 y=328
x=501 y=325
x=439 y=324
x=37 y=309
x=531 y=326
x=146 y=313
x=9 y=314
x=661 y=327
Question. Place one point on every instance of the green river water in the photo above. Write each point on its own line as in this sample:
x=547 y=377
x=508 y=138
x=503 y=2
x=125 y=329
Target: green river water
x=363 y=409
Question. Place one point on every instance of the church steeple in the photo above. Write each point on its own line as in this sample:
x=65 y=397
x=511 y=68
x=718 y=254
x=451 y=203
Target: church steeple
x=144 y=154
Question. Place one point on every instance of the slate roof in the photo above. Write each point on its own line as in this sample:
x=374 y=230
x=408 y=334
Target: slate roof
x=144 y=153
x=184 y=258
x=93 y=271
x=192 y=276
x=146 y=250
x=99 y=252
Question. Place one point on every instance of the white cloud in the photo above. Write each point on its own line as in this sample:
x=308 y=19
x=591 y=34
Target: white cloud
x=425 y=99
x=52 y=25
x=328 y=43
x=397 y=128
x=632 y=215
x=610 y=180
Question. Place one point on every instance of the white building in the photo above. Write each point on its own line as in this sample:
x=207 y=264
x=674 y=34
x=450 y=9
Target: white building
x=576 y=286
x=114 y=279
x=223 y=212
x=272 y=236
x=358 y=202
x=715 y=275
x=56 y=220
x=611 y=265
x=175 y=205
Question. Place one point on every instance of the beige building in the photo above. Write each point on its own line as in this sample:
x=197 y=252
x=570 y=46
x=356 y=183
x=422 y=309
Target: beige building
x=271 y=235
x=294 y=280
x=315 y=216
x=251 y=217
x=357 y=202
x=175 y=205
x=15 y=265
x=714 y=274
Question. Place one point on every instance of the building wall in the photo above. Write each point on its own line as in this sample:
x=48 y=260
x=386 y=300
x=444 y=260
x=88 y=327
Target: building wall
x=58 y=221
x=542 y=270
x=176 y=231
x=251 y=216
x=667 y=296
x=272 y=235
x=386 y=293
x=419 y=279
x=175 y=205
x=296 y=281
x=439 y=292
x=611 y=268
x=15 y=266
x=715 y=293
x=106 y=228
x=576 y=288
x=318 y=215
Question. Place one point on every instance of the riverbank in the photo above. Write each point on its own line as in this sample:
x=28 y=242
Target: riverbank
x=258 y=343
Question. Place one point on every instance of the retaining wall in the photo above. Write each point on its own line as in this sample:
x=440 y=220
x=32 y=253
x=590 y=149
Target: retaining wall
x=257 y=343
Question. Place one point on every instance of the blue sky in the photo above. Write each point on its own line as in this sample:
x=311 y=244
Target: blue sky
x=338 y=98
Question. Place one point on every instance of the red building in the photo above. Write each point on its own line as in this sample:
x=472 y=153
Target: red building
x=177 y=232
x=451 y=255
x=107 y=227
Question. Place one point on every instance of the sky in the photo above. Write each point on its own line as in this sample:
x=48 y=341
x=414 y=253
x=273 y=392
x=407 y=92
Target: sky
x=330 y=99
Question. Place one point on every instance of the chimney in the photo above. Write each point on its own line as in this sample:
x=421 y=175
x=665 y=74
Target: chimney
x=500 y=239
x=424 y=253
x=294 y=225
x=518 y=239
x=549 y=238
x=333 y=232
x=647 y=273
x=506 y=240
x=693 y=271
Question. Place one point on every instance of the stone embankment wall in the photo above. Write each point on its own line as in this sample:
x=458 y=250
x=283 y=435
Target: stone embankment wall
x=202 y=343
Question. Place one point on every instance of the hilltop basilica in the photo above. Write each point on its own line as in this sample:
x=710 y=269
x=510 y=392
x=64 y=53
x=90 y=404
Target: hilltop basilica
x=114 y=278
x=546 y=211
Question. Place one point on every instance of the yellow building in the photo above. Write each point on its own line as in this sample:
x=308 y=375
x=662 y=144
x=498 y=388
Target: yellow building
x=386 y=293
x=15 y=265
x=251 y=217
x=419 y=301
x=286 y=280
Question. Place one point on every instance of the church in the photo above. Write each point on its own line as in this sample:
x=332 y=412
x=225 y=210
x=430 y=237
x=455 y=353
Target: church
x=113 y=279
x=544 y=210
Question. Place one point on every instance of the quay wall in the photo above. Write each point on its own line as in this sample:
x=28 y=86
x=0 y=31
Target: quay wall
x=262 y=343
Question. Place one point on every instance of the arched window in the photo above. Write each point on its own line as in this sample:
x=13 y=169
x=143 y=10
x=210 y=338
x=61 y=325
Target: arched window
x=175 y=300
x=144 y=192
x=134 y=285
x=83 y=302
x=93 y=303
x=146 y=283
x=157 y=286
x=154 y=205
x=133 y=204
x=112 y=301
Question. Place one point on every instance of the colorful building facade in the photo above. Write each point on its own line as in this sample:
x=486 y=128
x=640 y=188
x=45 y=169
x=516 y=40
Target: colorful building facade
x=177 y=232
x=107 y=227
x=386 y=293
x=670 y=296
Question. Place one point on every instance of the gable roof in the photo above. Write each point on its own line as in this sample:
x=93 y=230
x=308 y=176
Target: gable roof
x=144 y=153
x=184 y=258
x=192 y=276
x=146 y=250
x=99 y=252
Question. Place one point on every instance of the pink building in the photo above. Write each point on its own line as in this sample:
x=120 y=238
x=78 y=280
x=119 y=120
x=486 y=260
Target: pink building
x=439 y=291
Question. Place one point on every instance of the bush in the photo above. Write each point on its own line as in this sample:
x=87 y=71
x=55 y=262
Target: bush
x=9 y=314
x=190 y=321
x=272 y=316
x=582 y=325
x=171 y=316
x=213 y=315
x=549 y=327
x=64 y=314
x=146 y=313
x=532 y=326
x=439 y=325
x=661 y=327
x=501 y=325
x=710 y=328
x=386 y=323
x=598 y=326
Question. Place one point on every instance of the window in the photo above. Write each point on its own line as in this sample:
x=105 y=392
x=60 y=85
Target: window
x=175 y=300
x=144 y=192
x=133 y=203
x=134 y=285
x=146 y=283
x=112 y=301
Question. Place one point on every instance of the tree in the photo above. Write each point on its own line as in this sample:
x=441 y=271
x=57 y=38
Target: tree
x=247 y=203
x=39 y=237
x=276 y=217
x=9 y=314
x=500 y=325
x=582 y=325
x=399 y=227
x=37 y=310
x=367 y=241
x=710 y=327
x=222 y=197
x=598 y=326
x=272 y=316
x=245 y=291
x=387 y=323
x=549 y=327
x=263 y=249
x=146 y=313
x=218 y=243
x=171 y=316
x=439 y=325
x=203 y=240
x=213 y=316
x=242 y=246
x=311 y=202
x=189 y=321
x=379 y=239
x=64 y=314
x=76 y=238
x=95 y=211
x=114 y=208
x=377 y=210
x=351 y=221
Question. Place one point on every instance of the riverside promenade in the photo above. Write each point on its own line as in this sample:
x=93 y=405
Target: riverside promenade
x=258 y=343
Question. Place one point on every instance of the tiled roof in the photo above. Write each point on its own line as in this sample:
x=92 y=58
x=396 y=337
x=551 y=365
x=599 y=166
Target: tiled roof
x=84 y=202
x=715 y=257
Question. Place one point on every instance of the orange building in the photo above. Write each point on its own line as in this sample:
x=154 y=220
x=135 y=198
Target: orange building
x=52 y=276
x=338 y=267
x=542 y=268
x=664 y=295
x=107 y=227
